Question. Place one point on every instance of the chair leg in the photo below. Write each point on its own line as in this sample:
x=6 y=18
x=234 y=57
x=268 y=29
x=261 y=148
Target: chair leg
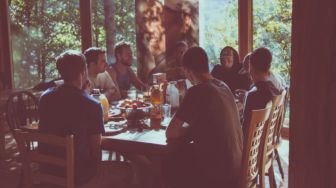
x=262 y=177
x=118 y=156
x=110 y=155
x=277 y=157
x=271 y=177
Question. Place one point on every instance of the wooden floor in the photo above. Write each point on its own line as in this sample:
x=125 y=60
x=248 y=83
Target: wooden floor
x=10 y=167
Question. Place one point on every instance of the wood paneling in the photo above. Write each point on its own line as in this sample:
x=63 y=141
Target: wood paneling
x=86 y=24
x=5 y=47
x=313 y=95
x=245 y=30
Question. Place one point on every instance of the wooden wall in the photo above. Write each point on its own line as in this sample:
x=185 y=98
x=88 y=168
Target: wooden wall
x=312 y=157
x=5 y=47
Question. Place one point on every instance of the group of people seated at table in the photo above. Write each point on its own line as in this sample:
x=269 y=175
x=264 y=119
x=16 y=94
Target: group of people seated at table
x=114 y=80
x=205 y=136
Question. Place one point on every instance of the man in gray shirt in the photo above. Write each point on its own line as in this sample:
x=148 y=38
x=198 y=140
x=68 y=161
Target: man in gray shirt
x=208 y=151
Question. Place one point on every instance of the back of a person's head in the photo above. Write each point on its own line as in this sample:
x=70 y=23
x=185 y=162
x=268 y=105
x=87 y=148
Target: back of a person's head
x=196 y=59
x=91 y=54
x=261 y=59
x=70 y=64
x=118 y=48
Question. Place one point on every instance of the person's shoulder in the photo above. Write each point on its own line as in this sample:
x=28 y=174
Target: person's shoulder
x=49 y=93
x=103 y=75
x=219 y=83
x=111 y=70
x=210 y=87
x=89 y=100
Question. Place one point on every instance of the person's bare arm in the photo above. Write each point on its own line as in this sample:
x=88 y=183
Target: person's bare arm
x=176 y=129
x=95 y=141
x=136 y=81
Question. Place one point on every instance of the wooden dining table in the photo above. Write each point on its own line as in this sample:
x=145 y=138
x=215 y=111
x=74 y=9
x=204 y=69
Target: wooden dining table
x=122 y=139
x=131 y=141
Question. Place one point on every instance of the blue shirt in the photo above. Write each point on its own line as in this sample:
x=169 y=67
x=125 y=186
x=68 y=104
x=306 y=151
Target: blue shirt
x=69 y=110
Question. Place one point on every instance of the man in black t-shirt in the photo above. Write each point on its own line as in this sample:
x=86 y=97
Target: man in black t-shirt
x=207 y=150
x=263 y=90
x=67 y=109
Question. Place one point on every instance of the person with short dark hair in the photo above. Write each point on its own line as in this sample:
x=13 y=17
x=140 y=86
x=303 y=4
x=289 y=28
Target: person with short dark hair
x=263 y=90
x=121 y=71
x=68 y=109
x=204 y=136
x=228 y=70
x=98 y=76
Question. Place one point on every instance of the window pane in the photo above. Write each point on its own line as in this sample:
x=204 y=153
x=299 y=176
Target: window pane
x=113 y=20
x=41 y=30
x=272 y=22
x=218 y=26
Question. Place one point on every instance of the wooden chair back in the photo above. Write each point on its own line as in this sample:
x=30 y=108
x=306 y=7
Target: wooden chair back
x=30 y=156
x=268 y=135
x=255 y=129
x=266 y=146
x=21 y=107
x=280 y=121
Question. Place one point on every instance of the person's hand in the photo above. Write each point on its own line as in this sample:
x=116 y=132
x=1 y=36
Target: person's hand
x=240 y=94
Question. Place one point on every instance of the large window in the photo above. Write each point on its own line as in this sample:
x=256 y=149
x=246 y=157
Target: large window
x=113 y=21
x=218 y=26
x=272 y=22
x=41 y=30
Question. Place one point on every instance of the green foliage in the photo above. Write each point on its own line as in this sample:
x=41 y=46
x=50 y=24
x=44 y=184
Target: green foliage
x=272 y=21
x=218 y=26
x=124 y=22
x=40 y=31
x=271 y=28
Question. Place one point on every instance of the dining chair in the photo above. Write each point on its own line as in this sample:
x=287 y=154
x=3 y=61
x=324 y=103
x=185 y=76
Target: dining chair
x=21 y=106
x=277 y=134
x=29 y=157
x=250 y=167
x=266 y=146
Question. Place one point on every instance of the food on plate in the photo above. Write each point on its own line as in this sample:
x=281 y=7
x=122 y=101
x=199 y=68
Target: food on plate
x=127 y=103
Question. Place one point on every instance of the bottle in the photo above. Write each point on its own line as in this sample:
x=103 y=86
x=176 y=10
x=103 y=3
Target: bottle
x=105 y=105
x=156 y=95
x=172 y=95
x=163 y=88
x=103 y=101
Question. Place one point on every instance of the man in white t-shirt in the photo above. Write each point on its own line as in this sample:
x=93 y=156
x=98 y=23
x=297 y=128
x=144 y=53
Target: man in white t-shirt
x=97 y=75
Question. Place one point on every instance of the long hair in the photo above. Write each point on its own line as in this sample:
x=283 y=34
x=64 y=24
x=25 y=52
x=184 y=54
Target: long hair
x=236 y=63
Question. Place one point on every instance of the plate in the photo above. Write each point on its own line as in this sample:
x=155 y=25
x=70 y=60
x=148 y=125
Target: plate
x=114 y=112
x=112 y=127
x=125 y=104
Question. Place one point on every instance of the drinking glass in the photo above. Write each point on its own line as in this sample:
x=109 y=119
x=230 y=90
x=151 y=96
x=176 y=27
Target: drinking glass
x=166 y=111
x=131 y=94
